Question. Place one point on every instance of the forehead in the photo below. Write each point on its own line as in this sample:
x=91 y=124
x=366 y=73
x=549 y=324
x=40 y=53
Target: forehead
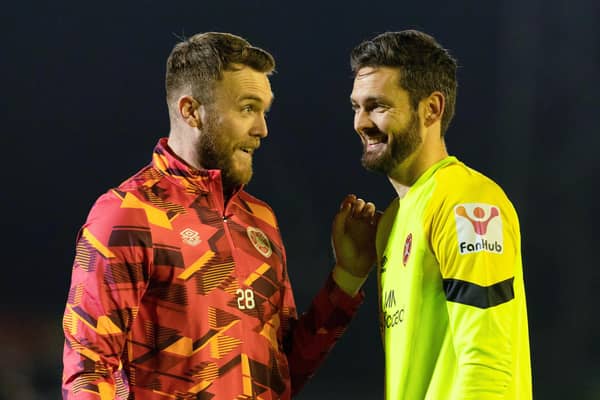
x=376 y=82
x=243 y=83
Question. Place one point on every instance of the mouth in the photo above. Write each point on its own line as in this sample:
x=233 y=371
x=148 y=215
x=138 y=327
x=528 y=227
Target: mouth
x=247 y=149
x=372 y=142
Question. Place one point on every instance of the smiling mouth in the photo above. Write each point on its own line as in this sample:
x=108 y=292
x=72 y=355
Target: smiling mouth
x=373 y=141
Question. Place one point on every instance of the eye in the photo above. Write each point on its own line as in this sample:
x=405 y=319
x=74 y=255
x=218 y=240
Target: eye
x=379 y=107
x=248 y=108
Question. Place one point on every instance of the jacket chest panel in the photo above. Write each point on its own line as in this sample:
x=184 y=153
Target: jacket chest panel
x=228 y=263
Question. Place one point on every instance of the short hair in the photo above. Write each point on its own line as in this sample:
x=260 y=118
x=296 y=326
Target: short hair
x=197 y=63
x=425 y=66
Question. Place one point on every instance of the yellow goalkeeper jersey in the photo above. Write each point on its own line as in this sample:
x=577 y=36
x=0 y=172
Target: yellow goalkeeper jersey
x=452 y=300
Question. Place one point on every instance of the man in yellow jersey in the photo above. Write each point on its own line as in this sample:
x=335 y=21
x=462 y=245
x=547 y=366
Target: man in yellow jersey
x=452 y=300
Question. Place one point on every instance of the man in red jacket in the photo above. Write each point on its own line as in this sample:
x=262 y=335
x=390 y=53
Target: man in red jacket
x=179 y=287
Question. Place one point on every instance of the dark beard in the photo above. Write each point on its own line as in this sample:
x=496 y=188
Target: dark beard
x=400 y=146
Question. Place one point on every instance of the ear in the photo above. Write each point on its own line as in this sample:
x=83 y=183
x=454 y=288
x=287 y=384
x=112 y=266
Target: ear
x=433 y=108
x=189 y=111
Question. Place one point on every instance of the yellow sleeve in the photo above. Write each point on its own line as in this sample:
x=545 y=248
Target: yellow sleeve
x=474 y=235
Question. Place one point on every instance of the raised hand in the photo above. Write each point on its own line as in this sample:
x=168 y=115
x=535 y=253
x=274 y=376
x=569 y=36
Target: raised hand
x=353 y=235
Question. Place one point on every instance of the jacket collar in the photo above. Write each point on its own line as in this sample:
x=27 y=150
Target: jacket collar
x=177 y=170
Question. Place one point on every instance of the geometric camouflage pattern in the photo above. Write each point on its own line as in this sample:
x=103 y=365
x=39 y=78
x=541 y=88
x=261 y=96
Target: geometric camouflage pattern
x=176 y=296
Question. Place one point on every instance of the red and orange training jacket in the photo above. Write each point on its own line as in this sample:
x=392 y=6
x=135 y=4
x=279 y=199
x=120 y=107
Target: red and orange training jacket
x=177 y=295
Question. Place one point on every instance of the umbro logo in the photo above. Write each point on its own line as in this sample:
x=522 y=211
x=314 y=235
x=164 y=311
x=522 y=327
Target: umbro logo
x=190 y=236
x=382 y=263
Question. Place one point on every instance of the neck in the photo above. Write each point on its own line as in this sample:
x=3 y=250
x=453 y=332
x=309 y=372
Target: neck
x=184 y=146
x=432 y=150
x=228 y=191
x=400 y=189
x=182 y=143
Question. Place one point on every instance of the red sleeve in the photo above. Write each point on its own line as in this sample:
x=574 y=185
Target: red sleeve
x=309 y=339
x=108 y=278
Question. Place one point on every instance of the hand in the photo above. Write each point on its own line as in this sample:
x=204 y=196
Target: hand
x=353 y=236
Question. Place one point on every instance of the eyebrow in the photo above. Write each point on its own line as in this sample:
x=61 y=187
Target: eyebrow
x=373 y=99
x=258 y=99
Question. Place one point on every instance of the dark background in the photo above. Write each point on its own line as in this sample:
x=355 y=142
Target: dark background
x=83 y=105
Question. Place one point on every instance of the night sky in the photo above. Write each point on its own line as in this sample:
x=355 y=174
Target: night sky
x=83 y=106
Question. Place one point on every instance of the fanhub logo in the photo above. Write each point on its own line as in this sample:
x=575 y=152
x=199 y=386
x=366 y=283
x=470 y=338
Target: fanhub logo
x=478 y=228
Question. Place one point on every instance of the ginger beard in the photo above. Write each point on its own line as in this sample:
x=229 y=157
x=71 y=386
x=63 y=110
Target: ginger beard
x=382 y=152
x=217 y=152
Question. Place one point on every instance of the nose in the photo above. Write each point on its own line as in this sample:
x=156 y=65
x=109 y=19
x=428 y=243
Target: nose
x=260 y=126
x=362 y=121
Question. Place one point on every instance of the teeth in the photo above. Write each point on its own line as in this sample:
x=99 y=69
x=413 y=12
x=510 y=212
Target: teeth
x=376 y=140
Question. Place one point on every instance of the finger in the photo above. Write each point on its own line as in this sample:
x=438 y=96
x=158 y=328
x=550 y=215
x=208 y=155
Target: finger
x=368 y=210
x=376 y=218
x=357 y=207
x=348 y=200
x=339 y=221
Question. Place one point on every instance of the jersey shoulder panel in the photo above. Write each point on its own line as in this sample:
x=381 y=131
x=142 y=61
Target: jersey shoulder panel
x=112 y=223
x=151 y=196
x=457 y=185
x=146 y=176
x=123 y=216
x=472 y=228
x=258 y=209
x=457 y=182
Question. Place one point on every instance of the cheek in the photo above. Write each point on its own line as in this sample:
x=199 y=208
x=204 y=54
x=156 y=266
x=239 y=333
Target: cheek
x=229 y=133
x=239 y=127
x=383 y=122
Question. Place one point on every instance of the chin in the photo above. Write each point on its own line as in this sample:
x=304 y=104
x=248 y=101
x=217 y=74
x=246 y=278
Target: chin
x=375 y=167
x=241 y=177
x=377 y=162
x=238 y=173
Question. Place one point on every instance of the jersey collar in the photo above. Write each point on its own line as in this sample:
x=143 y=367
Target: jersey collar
x=432 y=170
x=174 y=168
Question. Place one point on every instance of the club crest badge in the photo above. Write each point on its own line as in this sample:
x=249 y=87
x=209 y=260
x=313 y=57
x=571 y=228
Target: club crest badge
x=260 y=241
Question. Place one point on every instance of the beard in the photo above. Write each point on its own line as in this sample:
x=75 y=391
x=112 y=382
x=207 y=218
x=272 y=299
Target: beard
x=399 y=147
x=218 y=153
